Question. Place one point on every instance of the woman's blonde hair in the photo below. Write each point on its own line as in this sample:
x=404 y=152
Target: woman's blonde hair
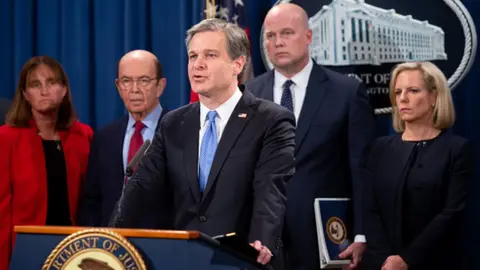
x=435 y=81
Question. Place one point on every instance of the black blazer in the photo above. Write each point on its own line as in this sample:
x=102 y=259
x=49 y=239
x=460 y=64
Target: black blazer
x=335 y=126
x=4 y=106
x=105 y=176
x=245 y=192
x=445 y=170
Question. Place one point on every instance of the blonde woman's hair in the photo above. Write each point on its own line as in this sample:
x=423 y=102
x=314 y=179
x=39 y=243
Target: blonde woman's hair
x=435 y=81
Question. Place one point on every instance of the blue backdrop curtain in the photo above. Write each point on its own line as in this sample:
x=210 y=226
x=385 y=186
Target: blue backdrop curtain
x=89 y=37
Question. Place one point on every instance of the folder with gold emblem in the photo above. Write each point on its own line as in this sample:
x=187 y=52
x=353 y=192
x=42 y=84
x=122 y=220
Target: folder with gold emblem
x=332 y=217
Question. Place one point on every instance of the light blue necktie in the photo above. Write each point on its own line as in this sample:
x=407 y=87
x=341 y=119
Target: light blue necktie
x=207 y=150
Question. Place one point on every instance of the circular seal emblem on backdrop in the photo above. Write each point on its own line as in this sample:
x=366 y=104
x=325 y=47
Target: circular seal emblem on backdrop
x=94 y=249
x=336 y=230
x=365 y=39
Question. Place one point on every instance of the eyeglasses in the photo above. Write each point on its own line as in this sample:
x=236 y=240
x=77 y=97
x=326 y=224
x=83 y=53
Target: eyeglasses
x=127 y=83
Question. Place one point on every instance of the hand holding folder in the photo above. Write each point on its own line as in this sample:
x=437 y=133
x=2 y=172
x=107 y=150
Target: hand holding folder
x=332 y=217
x=354 y=252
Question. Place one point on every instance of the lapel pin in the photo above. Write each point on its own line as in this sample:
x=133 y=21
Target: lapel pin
x=242 y=115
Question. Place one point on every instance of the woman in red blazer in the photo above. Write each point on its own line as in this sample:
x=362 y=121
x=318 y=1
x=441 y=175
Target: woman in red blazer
x=43 y=153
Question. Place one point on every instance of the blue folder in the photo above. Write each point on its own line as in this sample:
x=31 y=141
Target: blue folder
x=334 y=230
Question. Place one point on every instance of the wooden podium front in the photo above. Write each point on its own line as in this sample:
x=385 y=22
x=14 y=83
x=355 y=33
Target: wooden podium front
x=56 y=248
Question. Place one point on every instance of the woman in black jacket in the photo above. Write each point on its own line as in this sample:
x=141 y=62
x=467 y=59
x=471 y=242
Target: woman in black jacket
x=417 y=189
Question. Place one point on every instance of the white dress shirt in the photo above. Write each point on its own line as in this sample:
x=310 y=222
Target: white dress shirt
x=298 y=88
x=224 y=112
x=148 y=131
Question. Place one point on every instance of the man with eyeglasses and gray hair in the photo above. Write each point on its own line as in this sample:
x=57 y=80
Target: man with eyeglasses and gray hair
x=225 y=159
x=140 y=83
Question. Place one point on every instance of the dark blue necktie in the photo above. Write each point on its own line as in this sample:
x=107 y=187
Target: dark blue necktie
x=287 y=100
x=207 y=150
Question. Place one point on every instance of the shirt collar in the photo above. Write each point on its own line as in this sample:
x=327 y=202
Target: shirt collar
x=225 y=110
x=150 y=121
x=300 y=79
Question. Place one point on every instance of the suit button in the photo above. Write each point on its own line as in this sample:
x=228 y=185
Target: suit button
x=202 y=218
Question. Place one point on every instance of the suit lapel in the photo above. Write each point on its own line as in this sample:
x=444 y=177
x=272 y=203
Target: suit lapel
x=37 y=155
x=190 y=129
x=400 y=165
x=117 y=149
x=233 y=129
x=164 y=111
x=267 y=87
x=317 y=88
x=73 y=168
x=400 y=161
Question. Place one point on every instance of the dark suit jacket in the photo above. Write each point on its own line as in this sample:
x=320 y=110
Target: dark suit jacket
x=445 y=170
x=335 y=126
x=4 y=106
x=23 y=184
x=105 y=176
x=245 y=192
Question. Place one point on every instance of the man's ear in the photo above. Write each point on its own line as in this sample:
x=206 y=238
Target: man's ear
x=239 y=64
x=162 y=83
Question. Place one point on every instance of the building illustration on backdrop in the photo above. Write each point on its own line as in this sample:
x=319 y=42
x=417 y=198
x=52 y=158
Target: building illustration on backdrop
x=352 y=32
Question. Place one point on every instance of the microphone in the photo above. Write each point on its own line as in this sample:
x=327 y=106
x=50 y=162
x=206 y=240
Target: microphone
x=136 y=158
x=115 y=219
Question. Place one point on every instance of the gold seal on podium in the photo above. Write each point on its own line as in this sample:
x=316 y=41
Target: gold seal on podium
x=95 y=249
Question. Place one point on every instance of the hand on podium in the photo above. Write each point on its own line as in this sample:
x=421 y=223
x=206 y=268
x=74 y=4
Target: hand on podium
x=264 y=255
x=355 y=250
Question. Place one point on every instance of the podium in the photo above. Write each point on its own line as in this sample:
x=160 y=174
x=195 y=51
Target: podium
x=58 y=248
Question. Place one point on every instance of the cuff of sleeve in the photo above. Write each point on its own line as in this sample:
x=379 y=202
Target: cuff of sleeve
x=360 y=238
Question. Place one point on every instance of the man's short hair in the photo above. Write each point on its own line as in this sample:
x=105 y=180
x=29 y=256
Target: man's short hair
x=237 y=40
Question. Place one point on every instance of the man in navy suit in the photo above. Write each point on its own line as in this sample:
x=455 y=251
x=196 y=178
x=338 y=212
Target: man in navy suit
x=140 y=84
x=335 y=123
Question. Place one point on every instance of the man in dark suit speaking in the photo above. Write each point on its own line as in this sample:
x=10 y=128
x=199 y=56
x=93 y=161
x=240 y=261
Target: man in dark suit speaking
x=225 y=159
